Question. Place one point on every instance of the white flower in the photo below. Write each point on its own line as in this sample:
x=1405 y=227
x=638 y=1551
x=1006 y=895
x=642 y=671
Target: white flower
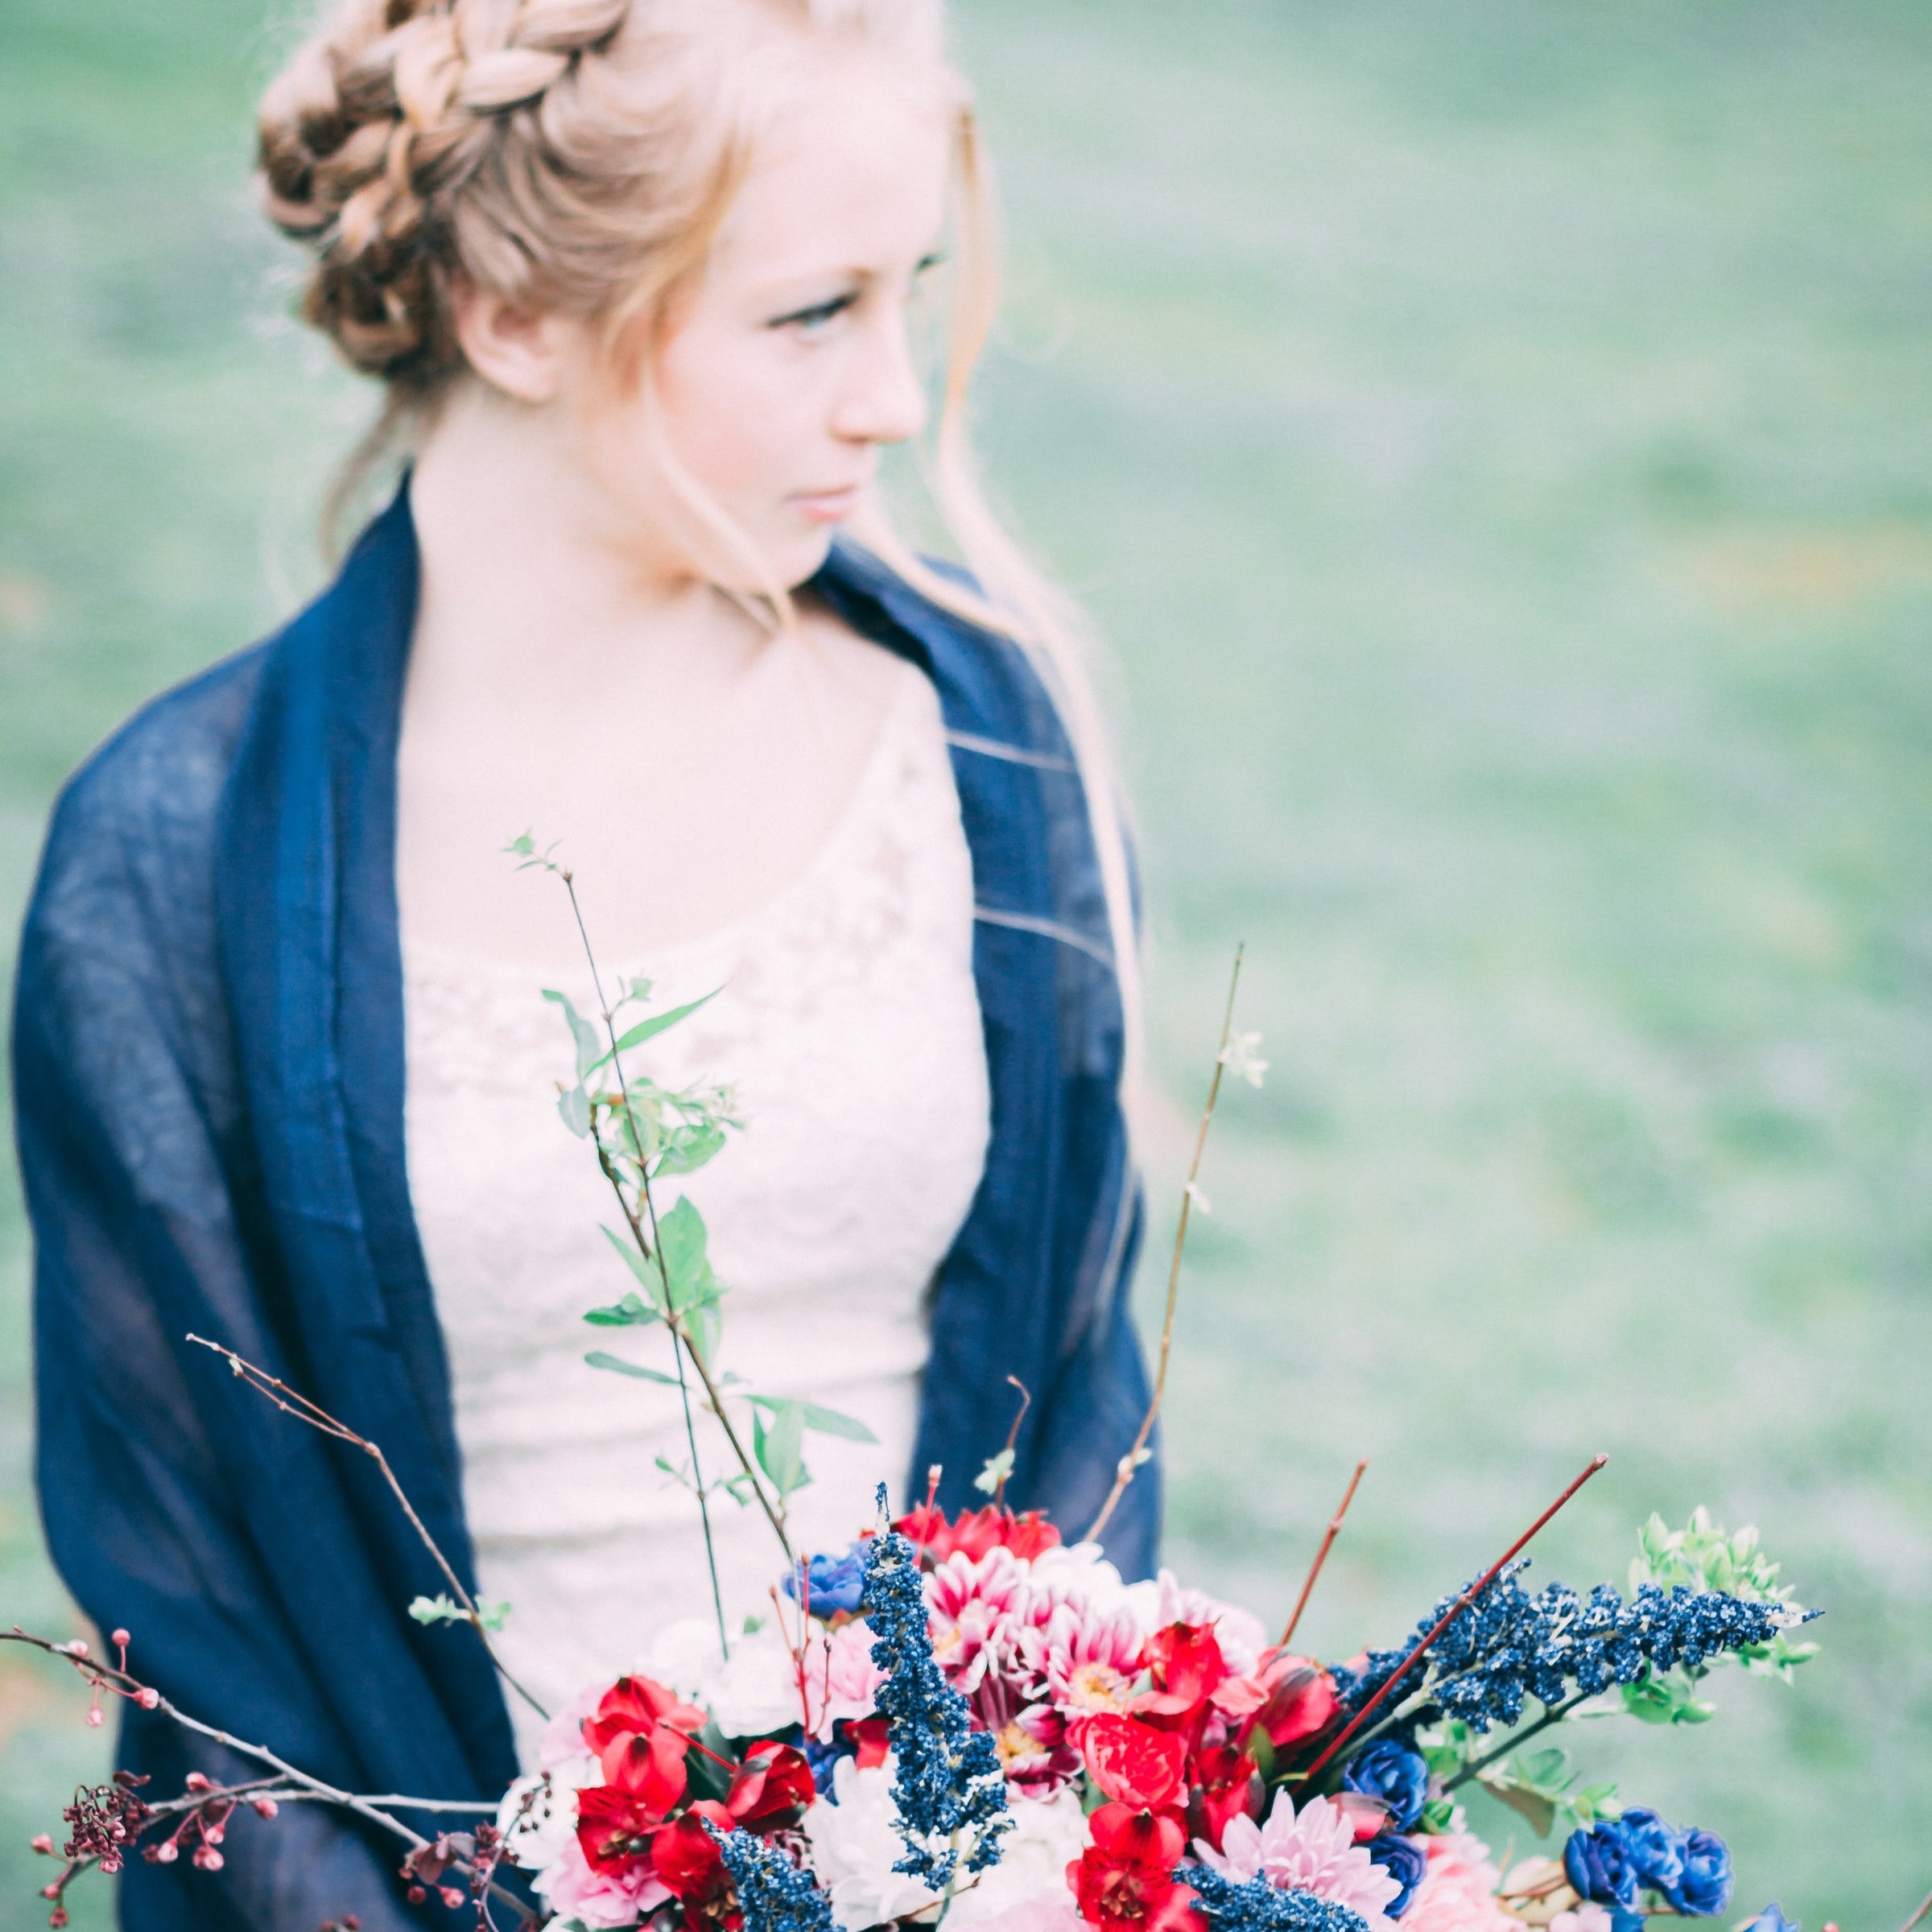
x=1076 y=1573
x=538 y=1823
x=854 y=1843
x=1240 y=1058
x=1048 y=1834
x=757 y=1691
x=683 y=1655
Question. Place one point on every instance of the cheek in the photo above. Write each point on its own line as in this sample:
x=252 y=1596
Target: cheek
x=737 y=418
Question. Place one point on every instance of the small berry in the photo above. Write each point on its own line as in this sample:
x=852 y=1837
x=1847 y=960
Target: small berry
x=452 y=1897
x=78 y=1647
x=167 y=1851
x=44 y=1844
x=121 y=1640
x=147 y=1697
x=265 y=1807
x=57 y=1918
x=208 y=1859
x=198 y=1780
x=94 y=1717
x=416 y=1895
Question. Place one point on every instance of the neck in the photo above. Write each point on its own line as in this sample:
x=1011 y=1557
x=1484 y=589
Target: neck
x=533 y=594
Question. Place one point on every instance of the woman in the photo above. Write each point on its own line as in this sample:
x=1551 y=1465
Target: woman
x=638 y=276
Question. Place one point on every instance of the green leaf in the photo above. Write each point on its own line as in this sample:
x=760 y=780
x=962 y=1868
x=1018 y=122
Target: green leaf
x=439 y=1609
x=649 y=1029
x=598 y=1359
x=586 y=1036
x=779 y=1444
x=1438 y=1814
x=998 y=1467
x=629 y=1313
x=1540 y=1811
x=573 y=1103
x=650 y=1279
x=821 y=1420
x=682 y=1248
x=688 y=1149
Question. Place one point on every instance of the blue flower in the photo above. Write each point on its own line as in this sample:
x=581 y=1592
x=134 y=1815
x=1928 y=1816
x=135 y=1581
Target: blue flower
x=1598 y=1863
x=1704 y=1889
x=832 y=1583
x=948 y=1782
x=1403 y=1859
x=1772 y=1919
x=1257 y=1906
x=1395 y=1774
x=774 y=1894
x=1655 y=1850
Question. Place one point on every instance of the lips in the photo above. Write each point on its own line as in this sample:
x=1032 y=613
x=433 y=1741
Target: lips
x=828 y=506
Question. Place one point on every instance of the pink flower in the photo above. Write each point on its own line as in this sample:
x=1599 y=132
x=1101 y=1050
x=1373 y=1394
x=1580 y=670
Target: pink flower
x=1164 y=1601
x=1080 y=1661
x=973 y=1610
x=841 y=1680
x=1458 y=1894
x=1311 y=1851
x=573 y=1890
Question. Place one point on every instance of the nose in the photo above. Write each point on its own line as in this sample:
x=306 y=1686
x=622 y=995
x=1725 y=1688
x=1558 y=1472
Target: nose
x=883 y=400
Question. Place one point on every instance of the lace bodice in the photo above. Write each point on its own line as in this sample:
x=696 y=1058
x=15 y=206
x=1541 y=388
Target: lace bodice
x=849 y=1025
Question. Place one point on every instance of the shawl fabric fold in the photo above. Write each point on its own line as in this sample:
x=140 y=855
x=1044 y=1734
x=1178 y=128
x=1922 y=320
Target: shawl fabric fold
x=209 y=1080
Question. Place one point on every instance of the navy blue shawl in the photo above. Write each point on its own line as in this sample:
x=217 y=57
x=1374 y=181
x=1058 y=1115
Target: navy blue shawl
x=209 y=1080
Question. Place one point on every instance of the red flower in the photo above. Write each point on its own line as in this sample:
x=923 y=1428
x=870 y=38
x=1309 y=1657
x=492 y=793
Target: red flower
x=644 y=1776
x=771 y=1789
x=1187 y=1666
x=1301 y=1701
x=869 y=1738
x=1135 y=1765
x=976 y=1531
x=685 y=1857
x=636 y=1707
x=1126 y=1878
x=1222 y=1785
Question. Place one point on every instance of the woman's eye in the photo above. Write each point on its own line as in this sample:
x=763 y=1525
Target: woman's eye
x=811 y=320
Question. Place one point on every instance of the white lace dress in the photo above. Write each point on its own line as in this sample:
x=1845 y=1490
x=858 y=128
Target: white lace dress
x=849 y=1025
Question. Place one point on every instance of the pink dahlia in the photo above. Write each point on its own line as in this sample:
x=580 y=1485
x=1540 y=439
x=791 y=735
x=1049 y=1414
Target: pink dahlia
x=1080 y=1660
x=1458 y=1893
x=1313 y=1850
x=973 y=1609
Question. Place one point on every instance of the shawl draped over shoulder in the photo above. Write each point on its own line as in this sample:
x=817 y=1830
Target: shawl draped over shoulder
x=209 y=1079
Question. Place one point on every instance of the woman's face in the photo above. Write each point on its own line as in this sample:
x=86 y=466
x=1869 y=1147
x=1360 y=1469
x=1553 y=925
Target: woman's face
x=788 y=364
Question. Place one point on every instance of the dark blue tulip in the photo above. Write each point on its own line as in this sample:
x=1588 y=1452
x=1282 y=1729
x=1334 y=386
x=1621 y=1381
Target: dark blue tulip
x=1395 y=1774
x=1597 y=1863
x=1655 y=1850
x=1704 y=1889
x=1402 y=1858
x=1772 y=1919
x=837 y=1583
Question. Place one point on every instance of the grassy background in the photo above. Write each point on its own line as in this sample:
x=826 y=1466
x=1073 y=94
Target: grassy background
x=1493 y=434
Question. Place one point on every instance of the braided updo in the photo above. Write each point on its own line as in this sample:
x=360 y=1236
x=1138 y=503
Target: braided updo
x=570 y=155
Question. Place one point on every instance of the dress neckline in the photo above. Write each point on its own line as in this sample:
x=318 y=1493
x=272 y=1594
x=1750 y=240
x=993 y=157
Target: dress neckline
x=668 y=961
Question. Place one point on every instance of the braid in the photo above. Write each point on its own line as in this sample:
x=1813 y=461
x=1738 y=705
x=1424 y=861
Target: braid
x=368 y=138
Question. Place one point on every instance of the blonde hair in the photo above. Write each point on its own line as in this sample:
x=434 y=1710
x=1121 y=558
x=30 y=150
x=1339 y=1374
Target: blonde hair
x=577 y=156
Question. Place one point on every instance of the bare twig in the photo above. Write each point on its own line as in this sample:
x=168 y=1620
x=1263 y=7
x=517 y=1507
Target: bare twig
x=290 y=1402
x=300 y=1785
x=1467 y=1597
x=1124 y=1471
x=1925 y=1905
x=1012 y=1437
x=1321 y=1555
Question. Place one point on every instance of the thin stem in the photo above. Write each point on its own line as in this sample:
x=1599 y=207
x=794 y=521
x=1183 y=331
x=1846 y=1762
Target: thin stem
x=1124 y=1472
x=1467 y=1597
x=652 y=1250
x=1554 y=1714
x=1321 y=1555
x=305 y=1786
x=1012 y=1436
x=1925 y=1905
x=290 y=1402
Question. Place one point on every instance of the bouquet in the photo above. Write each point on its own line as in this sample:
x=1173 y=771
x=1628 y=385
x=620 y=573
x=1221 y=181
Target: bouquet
x=975 y=1721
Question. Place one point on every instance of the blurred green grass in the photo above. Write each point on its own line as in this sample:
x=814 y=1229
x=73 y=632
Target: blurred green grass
x=1492 y=434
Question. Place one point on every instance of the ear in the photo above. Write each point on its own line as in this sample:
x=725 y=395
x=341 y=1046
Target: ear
x=513 y=349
